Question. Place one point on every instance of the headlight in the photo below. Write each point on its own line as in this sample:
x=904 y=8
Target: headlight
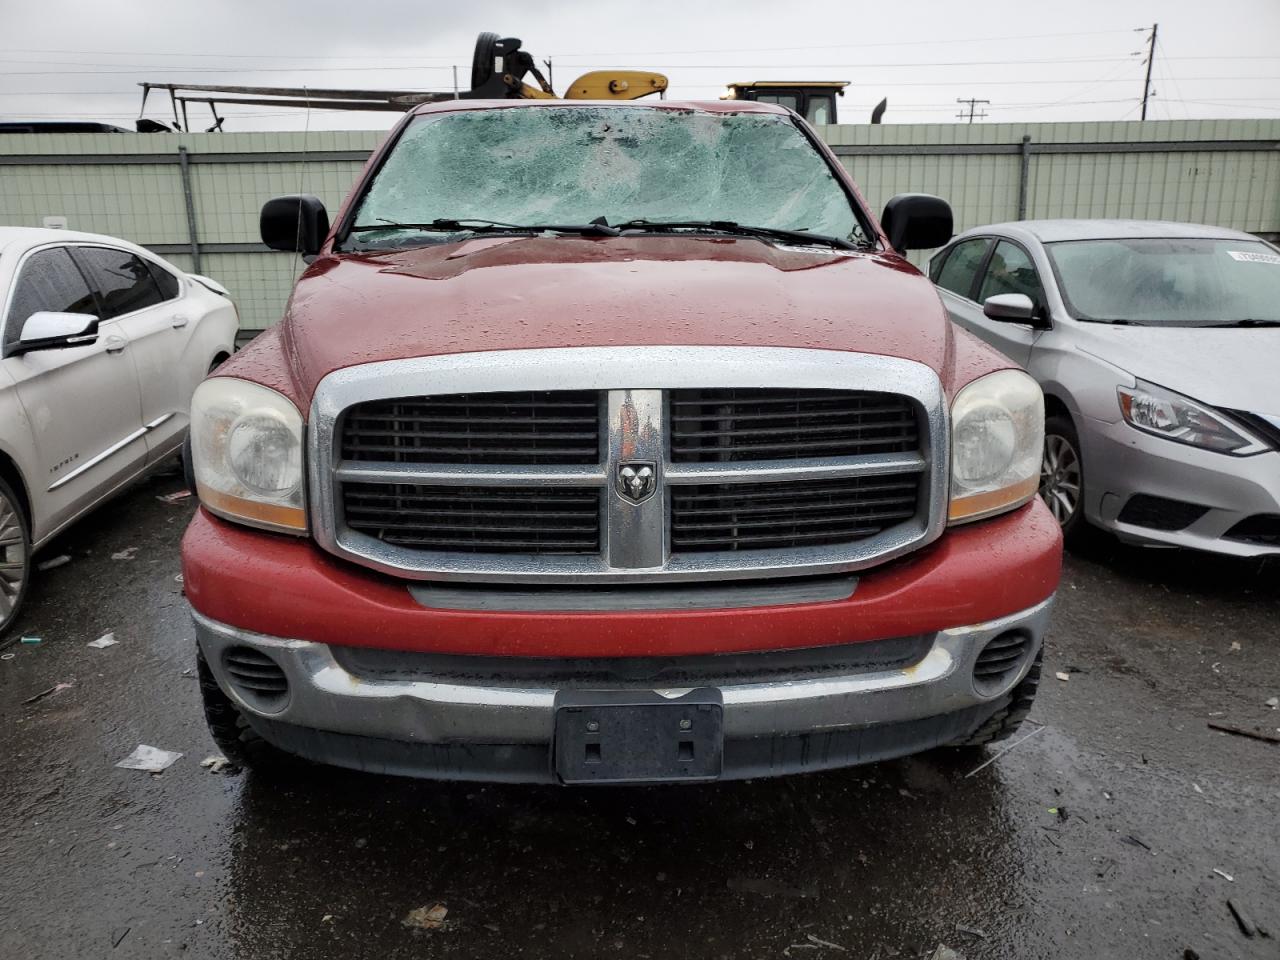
x=246 y=445
x=997 y=442
x=1153 y=409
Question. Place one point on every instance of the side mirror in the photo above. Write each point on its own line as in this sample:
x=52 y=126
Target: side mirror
x=916 y=221
x=297 y=223
x=1011 y=308
x=46 y=330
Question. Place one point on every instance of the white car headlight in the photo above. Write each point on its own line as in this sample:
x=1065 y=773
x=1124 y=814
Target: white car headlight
x=997 y=443
x=1164 y=413
x=246 y=445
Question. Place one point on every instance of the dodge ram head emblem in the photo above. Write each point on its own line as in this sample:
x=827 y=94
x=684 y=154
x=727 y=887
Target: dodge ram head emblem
x=636 y=480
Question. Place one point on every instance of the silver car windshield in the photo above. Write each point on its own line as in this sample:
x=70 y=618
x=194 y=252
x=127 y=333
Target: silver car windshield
x=1169 y=282
x=572 y=165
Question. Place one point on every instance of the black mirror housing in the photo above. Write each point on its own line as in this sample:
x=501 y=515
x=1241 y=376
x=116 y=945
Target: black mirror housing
x=917 y=221
x=297 y=223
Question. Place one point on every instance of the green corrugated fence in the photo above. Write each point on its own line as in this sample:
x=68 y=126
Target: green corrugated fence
x=1223 y=172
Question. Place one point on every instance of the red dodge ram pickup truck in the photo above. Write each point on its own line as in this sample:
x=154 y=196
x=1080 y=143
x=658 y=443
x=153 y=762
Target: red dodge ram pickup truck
x=607 y=442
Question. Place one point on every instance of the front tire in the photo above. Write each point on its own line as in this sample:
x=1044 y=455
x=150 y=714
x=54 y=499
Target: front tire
x=230 y=730
x=1062 y=475
x=1005 y=722
x=15 y=556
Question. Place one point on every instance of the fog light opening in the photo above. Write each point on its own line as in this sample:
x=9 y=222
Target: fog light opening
x=1000 y=662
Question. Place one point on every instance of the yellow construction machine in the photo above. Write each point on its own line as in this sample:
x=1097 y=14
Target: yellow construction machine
x=499 y=67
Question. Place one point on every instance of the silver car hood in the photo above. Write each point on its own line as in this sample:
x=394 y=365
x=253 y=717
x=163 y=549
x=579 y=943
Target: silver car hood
x=1225 y=367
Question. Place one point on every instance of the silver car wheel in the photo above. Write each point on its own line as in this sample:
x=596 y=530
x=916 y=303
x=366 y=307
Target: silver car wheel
x=13 y=559
x=1060 y=478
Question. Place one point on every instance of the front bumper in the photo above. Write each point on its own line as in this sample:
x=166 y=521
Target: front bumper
x=1121 y=462
x=450 y=728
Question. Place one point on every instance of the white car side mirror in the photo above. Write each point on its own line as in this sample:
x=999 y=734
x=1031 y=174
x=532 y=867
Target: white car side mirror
x=1009 y=306
x=46 y=330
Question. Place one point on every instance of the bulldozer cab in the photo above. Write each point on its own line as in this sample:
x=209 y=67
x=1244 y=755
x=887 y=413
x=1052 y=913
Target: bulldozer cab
x=815 y=100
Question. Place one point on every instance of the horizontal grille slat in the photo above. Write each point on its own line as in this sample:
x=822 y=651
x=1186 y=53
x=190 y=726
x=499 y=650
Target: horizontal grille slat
x=541 y=520
x=730 y=516
x=516 y=428
x=728 y=425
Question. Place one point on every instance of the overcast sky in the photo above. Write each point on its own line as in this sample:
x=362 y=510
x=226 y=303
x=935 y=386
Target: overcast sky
x=1035 y=61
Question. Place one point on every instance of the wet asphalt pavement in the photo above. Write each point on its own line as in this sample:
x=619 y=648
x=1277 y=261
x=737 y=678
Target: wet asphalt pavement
x=882 y=861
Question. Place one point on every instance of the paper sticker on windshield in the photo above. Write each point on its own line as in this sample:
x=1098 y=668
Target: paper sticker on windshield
x=1254 y=257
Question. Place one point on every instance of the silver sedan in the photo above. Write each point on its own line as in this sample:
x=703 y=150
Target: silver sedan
x=1157 y=345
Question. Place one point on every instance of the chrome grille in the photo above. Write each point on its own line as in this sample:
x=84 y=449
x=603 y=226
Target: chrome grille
x=476 y=519
x=526 y=427
x=729 y=463
x=735 y=425
x=758 y=516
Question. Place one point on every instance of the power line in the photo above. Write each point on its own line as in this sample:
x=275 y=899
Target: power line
x=610 y=53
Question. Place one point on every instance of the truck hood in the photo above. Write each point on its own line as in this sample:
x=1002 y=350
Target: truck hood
x=1230 y=367
x=505 y=293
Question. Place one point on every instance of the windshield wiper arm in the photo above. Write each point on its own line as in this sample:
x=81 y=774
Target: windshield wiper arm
x=1249 y=322
x=741 y=229
x=597 y=228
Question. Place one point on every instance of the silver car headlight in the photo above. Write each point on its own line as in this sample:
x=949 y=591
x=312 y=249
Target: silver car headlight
x=997 y=443
x=1164 y=413
x=246 y=445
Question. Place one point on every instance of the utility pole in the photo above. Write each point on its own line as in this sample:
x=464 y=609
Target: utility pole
x=1151 y=59
x=973 y=103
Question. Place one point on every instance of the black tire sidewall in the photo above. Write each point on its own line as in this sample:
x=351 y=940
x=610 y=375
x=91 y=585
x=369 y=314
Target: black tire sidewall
x=25 y=523
x=1060 y=426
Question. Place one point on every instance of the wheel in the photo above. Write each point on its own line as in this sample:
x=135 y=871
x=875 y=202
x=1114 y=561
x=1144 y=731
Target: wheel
x=238 y=741
x=482 y=60
x=1004 y=722
x=15 y=556
x=1062 y=475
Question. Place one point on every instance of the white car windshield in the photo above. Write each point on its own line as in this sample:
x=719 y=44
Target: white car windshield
x=574 y=165
x=1170 y=282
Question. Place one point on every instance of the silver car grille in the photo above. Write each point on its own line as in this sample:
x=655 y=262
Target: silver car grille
x=628 y=464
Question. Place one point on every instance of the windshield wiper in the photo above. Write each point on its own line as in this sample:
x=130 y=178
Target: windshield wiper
x=1114 y=322
x=1250 y=322
x=597 y=228
x=739 y=229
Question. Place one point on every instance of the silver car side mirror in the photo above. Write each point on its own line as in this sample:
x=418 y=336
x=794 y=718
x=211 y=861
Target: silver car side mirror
x=46 y=330
x=1017 y=307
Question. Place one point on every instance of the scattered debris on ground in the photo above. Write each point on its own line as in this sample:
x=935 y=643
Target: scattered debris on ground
x=32 y=641
x=1063 y=676
x=1134 y=840
x=125 y=554
x=992 y=759
x=1255 y=733
x=973 y=932
x=118 y=935
x=177 y=497
x=1247 y=926
x=56 y=688
x=1224 y=875
x=943 y=952
x=431 y=917
x=53 y=563
x=149 y=759
x=104 y=641
x=1273 y=703
x=767 y=888
x=215 y=764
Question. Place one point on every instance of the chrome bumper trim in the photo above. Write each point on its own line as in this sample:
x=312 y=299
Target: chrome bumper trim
x=324 y=696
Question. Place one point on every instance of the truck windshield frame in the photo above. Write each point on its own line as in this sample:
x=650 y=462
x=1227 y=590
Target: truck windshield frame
x=600 y=162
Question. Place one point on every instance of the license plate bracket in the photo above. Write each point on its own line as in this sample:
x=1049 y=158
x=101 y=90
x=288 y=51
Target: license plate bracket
x=616 y=736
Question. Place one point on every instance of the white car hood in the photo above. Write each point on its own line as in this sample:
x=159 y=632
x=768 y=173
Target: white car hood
x=1233 y=367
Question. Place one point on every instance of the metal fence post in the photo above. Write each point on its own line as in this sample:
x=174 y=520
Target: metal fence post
x=184 y=165
x=1024 y=174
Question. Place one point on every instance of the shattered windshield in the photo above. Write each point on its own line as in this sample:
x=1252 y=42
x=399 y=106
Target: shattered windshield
x=573 y=165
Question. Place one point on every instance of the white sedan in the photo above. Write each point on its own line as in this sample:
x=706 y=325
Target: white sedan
x=104 y=343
